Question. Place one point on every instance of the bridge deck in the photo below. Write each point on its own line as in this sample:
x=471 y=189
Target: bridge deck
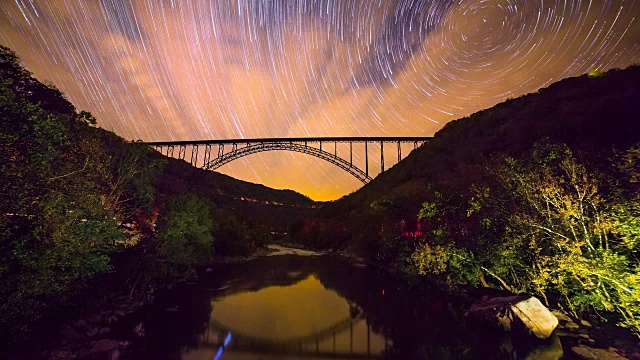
x=339 y=139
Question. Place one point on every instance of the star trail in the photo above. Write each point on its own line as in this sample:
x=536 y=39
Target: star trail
x=162 y=70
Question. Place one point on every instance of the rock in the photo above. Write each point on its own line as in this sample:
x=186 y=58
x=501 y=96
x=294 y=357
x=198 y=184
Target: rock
x=571 y=325
x=589 y=353
x=561 y=316
x=585 y=323
x=103 y=330
x=519 y=313
x=549 y=351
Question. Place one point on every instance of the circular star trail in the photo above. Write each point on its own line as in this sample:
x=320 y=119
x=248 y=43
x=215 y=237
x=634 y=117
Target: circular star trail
x=162 y=70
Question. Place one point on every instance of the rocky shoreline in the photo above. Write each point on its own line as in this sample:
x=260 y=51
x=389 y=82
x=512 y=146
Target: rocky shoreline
x=592 y=339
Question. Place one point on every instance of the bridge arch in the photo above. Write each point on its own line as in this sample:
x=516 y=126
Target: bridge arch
x=296 y=147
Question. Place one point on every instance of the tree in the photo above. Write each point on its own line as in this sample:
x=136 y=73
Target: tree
x=55 y=235
x=185 y=236
x=561 y=231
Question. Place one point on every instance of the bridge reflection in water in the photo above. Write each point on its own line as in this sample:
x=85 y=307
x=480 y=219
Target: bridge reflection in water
x=308 y=346
x=296 y=319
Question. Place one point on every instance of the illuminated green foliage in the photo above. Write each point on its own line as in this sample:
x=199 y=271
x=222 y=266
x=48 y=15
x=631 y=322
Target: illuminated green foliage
x=185 y=235
x=552 y=228
x=595 y=73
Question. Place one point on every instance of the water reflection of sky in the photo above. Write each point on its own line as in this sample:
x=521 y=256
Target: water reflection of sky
x=288 y=312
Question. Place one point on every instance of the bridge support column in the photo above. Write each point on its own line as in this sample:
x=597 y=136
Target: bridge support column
x=194 y=155
x=399 y=152
x=207 y=155
x=366 y=158
x=382 y=156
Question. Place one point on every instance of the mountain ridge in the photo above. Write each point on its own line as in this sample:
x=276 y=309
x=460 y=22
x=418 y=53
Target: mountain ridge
x=514 y=125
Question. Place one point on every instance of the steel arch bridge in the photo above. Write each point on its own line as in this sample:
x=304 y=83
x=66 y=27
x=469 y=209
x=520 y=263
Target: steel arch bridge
x=202 y=153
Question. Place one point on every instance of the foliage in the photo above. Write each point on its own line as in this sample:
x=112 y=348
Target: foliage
x=564 y=232
x=235 y=237
x=184 y=236
x=58 y=227
x=56 y=235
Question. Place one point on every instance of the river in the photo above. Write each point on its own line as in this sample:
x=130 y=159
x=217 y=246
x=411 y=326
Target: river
x=298 y=307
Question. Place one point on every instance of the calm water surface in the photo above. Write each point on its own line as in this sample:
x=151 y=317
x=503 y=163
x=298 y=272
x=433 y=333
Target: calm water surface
x=293 y=307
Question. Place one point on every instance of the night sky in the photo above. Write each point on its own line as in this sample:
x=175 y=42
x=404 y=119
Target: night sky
x=161 y=70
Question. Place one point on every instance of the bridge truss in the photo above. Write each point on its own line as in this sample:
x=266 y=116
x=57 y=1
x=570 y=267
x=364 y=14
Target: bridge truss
x=212 y=154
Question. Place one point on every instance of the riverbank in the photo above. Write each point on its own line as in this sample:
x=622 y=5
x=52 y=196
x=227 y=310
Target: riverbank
x=590 y=338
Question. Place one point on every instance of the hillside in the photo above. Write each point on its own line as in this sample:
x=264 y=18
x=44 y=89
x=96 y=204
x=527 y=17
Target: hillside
x=590 y=114
x=254 y=203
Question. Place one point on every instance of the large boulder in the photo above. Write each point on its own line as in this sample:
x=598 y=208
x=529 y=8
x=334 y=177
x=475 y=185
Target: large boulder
x=522 y=314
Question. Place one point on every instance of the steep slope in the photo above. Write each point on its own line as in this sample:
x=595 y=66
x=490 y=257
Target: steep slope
x=590 y=114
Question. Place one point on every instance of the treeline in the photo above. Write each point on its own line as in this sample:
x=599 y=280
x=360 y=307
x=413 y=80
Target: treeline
x=81 y=208
x=538 y=194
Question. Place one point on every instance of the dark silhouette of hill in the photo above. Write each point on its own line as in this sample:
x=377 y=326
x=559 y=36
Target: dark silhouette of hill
x=590 y=114
x=254 y=203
